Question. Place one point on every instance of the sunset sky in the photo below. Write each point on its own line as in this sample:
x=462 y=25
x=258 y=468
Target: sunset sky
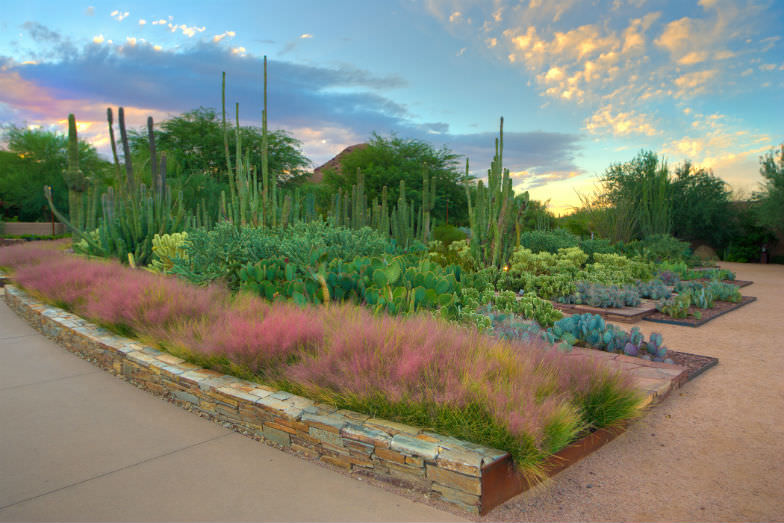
x=580 y=84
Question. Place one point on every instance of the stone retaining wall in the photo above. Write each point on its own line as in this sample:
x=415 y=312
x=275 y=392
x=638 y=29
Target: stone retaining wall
x=466 y=475
x=447 y=468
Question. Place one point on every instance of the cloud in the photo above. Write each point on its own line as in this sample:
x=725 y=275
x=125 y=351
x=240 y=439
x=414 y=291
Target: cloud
x=337 y=105
x=225 y=34
x=623 y=123
x=691 y=84
x=119 y=16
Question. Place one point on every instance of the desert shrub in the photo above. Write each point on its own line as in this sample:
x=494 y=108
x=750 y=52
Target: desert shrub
x=604 y=296
x=659 y=248
x=447 y=234
x=221 y=253
x=548 y=241
x=598 y=245
x=457 y=253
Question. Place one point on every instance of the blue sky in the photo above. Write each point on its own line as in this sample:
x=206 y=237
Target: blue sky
x=580 y=84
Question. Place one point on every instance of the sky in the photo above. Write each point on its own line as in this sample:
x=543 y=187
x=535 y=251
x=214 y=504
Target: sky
x=581 y=85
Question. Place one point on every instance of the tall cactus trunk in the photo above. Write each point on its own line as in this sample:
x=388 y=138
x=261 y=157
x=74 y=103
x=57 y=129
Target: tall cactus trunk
x=225 y=130
x=117 y=173
x=154 y=180
x=126 y=151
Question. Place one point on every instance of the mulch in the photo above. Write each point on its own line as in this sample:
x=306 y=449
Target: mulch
x=719 y=308
x=695 y=364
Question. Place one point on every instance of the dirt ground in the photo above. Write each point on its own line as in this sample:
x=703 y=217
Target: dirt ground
x=712 y=451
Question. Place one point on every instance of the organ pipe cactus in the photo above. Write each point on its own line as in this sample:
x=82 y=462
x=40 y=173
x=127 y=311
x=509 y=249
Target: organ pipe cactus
x=495 y=215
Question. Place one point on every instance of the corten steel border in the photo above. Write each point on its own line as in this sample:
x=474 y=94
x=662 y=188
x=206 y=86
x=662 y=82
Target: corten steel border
x=702 y=321
x=465 y=475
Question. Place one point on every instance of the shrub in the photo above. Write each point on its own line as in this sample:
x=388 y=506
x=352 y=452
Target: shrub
x=604 y=296
x=548 y=241
x=598 y=245
x=446 y=234
x=659 y=248
x=222 y=252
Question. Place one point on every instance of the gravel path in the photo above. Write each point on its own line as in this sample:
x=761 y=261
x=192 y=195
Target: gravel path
x=712 y=451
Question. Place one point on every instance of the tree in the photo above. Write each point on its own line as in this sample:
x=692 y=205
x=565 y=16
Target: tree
x=387 y=161
x=700 y=205
x=37 y=157
x=639 y=190
x=193 y=142
x=770 y=209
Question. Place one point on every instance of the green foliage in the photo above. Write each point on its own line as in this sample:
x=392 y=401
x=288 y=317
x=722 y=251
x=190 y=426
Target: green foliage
x=167 y=248
x=748 y=236
x=390 y=161
x=604 y=296
x=194 y=144
x=770 y=211
x=35 y=158
x=446 y=234
x=129 y=223
x=597 y=245
x=654 y=290
x=677 y=306
x=548 y=241
x=617 y=269
x=221 y=252
x=660 y=248
x=495 y=213
x=641 y=187
x=383 y=283
x=701 y=206
x=456 y=253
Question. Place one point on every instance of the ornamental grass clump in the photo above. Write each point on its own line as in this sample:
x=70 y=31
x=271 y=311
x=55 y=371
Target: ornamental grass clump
x=524 y=397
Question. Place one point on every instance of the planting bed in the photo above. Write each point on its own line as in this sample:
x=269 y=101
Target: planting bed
x=695 y=364
x=623 y=315
x=469 y=476
x=719 y=308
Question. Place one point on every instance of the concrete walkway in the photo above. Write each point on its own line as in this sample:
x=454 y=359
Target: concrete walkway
x=78 y=444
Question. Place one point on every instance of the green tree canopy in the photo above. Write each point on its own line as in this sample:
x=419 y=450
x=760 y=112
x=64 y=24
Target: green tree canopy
x=37 y=157
x=193 y=142
x=639 y=189
x=386 y=161
x=700 y=206
x=770 y=210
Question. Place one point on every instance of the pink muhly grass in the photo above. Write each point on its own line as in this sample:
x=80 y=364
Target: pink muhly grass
x=259 y=343
x=29 y=253
x=64 y=279
x=151 y=303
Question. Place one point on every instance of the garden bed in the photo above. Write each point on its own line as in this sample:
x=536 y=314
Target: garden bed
x=695 y=364
x=719 y=308
x=469 y=476
x=623 y=315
